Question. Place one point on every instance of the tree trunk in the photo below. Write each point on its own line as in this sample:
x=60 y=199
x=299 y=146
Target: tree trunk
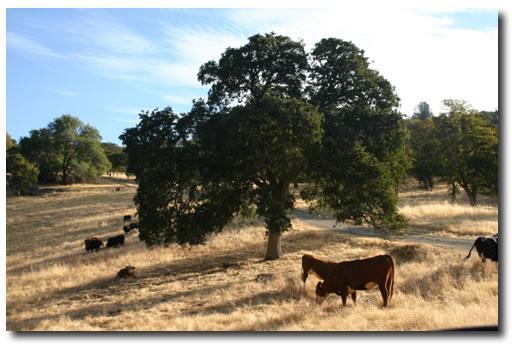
x=471 y=194
x=274 y=246
x=64 y=178
x=453 y=192
x=276 y=225
x=470 y=190
x=472 y=199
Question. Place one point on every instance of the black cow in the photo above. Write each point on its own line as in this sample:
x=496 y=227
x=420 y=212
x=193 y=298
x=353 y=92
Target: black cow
x=93 y=244
x=486 y=247
x=130 y=227
x=115 y=242
x=127 y=218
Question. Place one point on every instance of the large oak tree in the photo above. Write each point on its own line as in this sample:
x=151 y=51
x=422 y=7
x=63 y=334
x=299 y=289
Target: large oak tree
x=272 y=119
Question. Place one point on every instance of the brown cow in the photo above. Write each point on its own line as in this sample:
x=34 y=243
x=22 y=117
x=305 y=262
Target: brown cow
x=348 y=276
x=319 y=268
x=127 y=272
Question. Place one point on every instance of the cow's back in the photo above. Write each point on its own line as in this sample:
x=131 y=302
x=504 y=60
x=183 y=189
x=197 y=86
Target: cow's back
x=359 y=272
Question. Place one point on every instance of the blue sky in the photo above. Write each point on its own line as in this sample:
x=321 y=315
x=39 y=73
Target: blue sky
x=105 y=65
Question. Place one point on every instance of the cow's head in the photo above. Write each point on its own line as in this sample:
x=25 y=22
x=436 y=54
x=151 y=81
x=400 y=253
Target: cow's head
x=321 y=293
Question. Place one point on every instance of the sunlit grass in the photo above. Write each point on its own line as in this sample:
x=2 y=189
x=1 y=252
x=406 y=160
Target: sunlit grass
x=53 y=284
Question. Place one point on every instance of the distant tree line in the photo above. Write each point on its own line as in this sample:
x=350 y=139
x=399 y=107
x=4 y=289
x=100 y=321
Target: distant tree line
x=66 y=151
x=459 y=146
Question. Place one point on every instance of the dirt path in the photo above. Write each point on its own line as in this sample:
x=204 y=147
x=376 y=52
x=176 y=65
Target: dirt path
x=329 y=224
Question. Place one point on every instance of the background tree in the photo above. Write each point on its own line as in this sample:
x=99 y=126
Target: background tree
x=422 y=111
x=66 y=149
x=257 y=135
x=424 y=146
x=468 y=153
x=10 y=142
x=22 y=176
x=38 y=149
x=116 y=156
x=491 y=116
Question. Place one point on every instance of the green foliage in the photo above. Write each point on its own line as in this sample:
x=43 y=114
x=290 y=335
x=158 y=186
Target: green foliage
x=10 y=142
x=425 y=147
x=468 y=153
x=340 y=78
x=460 y=146
x=38 y=149
x=363 y=158
x=491 y=116
x=271 y=120
x=268 y=64
x=66 y=150
x=116 y=156
x=212 y=179
x=422 y=111
x=22 y=176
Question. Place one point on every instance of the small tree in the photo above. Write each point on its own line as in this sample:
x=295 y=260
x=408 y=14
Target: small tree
x=66 y=148
x=422 y=111
x=22 y=176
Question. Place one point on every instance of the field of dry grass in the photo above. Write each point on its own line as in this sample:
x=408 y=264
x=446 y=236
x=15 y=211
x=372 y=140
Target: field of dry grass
x=430 y=212
x=52 y=284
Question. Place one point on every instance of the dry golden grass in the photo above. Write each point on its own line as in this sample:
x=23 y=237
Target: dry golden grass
x=52 y=284
x=432 y=213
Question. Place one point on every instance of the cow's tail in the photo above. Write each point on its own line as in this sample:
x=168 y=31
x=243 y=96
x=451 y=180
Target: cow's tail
x=470 y=251
x=392 y=282
x=390 y=279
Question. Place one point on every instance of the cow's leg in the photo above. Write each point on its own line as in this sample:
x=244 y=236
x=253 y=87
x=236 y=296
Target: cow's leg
x=305 y=274
x=354 y=296
x=384 y=293
x=343 y=298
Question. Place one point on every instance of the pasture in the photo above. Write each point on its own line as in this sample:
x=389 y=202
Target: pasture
x=53 y=284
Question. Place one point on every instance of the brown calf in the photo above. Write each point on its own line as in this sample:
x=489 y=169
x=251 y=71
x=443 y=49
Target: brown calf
x=319 y=268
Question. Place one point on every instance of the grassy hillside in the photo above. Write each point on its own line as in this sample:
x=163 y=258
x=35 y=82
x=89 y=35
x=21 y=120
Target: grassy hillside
x=53 y=284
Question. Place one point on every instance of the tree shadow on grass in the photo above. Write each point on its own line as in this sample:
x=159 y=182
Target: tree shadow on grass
x=262 y=298
x=112 y=309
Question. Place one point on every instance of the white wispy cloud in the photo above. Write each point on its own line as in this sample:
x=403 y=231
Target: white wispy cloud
x=421 y=52
x=424 y=55
x=29 y=46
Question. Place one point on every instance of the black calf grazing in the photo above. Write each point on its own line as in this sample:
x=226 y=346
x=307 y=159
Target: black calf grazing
x=487 y=248
x=93 y=244
x=114 y=242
